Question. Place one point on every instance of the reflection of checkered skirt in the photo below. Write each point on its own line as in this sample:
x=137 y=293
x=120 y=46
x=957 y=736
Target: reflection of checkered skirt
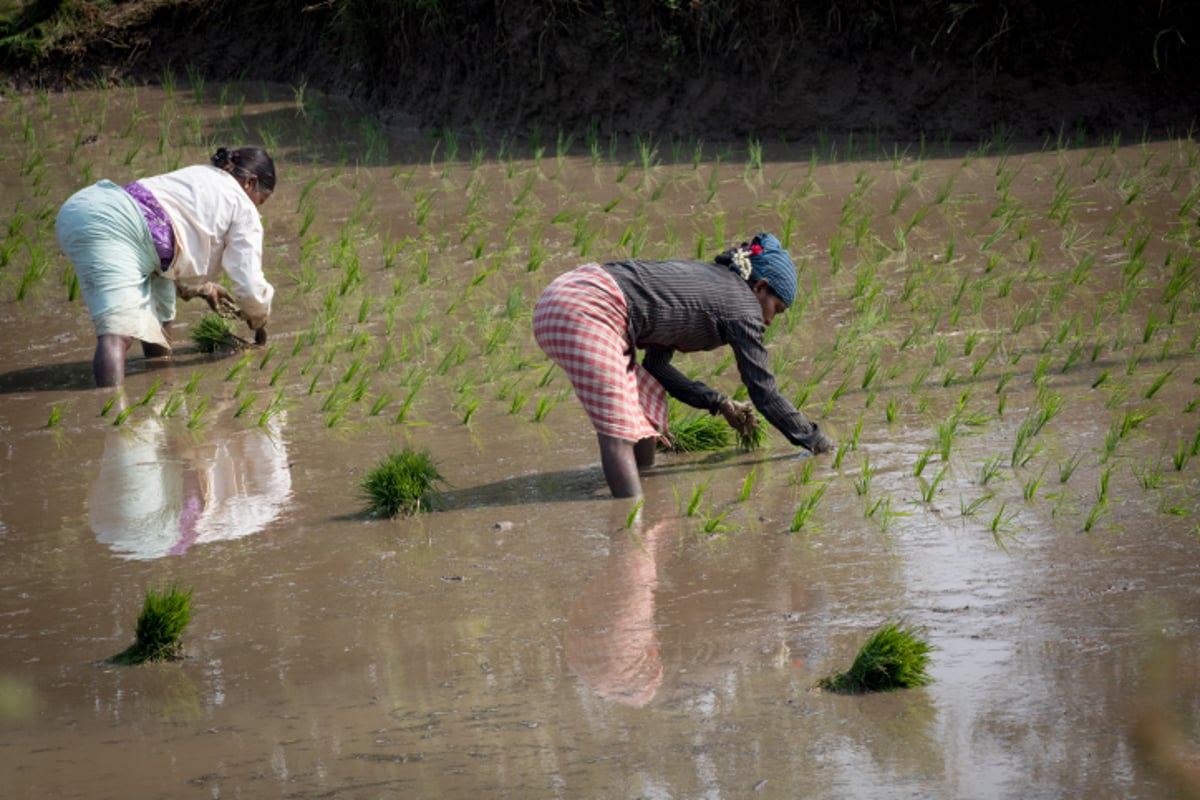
x=579 y=322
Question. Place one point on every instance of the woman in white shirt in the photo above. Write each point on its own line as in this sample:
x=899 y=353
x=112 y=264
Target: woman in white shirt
x=136 y=247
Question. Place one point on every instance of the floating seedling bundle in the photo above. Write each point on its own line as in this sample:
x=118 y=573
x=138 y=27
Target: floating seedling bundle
x=402 y=483
x=159 y=627
x=893 y=658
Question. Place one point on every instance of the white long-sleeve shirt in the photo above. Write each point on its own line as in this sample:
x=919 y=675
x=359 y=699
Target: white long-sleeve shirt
x=217 y=228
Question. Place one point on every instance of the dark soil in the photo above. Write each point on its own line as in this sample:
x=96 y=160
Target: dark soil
x=717 y=70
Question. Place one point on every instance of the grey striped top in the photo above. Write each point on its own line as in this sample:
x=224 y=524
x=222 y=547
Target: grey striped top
x=691 y=306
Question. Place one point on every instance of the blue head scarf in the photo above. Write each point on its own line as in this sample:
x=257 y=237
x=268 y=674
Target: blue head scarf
x=774 y=265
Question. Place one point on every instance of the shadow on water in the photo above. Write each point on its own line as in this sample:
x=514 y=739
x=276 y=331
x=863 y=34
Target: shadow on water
x=561 y=486
x=586 y=483
x=73 y=376
x=540 y=487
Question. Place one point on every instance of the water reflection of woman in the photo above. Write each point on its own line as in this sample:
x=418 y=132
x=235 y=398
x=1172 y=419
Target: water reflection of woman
x=136 y=247
x=158 y=494
x=611 y=640
x=591 y=321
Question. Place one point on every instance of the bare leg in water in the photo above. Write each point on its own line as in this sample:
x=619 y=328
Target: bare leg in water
x=108 y=364
x=620 y=460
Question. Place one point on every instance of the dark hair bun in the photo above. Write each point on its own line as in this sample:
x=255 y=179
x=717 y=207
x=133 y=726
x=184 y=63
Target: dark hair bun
x=222 y=158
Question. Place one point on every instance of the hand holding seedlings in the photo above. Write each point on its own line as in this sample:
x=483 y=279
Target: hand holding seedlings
x=740 y=416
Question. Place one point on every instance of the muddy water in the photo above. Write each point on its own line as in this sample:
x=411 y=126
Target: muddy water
x=534 y=638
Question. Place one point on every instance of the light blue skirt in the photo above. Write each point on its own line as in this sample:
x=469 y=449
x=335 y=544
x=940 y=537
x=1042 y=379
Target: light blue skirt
x=103 y=233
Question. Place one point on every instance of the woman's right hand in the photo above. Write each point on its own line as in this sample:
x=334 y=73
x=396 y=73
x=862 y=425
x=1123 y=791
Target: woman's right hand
x=217 y=296
x=219 y=299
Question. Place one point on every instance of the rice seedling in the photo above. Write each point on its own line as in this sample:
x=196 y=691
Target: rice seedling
x=159 y=627
x=748 y=485
x=922 y=461
x=840 y=454
x=946 y=431
x=245 y=405
x=1157 y=384
x=1001 y=524
x=881 y=511
x=196 y=417
x=469 y=409
x=1030 y=488
x=238 y=367
x=892 y=410
x=972 y=508
x=1181 y=456
x=517 y=401
x=697 y=495
x=406 y=406
x=1094 y=516
x=714 y=523
x=929 y=488
x=123 y=414
x=862 y=483
x=544 y=406
x=404 y=482
x=989 y=469
x=56 y=414
x=805 y=509
x=894 y=657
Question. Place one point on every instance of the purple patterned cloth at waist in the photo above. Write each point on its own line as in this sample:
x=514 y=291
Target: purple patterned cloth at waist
x=157 y=220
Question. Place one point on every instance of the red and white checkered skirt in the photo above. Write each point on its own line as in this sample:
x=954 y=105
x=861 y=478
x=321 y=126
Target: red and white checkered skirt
x=579 y=322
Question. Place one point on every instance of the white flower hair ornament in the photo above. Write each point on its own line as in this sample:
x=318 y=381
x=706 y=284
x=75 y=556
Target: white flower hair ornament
x=740 y=259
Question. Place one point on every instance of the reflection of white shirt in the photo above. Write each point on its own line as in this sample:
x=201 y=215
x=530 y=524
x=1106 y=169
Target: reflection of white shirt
x=245 y=482
x=151 y=500
x=137 y=499
x=217 y=227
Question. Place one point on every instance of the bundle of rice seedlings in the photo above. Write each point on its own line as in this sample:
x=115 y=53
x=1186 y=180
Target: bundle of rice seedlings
x=164 y=616
x=893 y=658
x=697 y=432
x=755 y=437
x=213 y=333
x=402 y=483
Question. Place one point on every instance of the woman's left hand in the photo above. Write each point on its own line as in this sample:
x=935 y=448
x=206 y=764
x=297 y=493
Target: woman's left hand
x=740 y=416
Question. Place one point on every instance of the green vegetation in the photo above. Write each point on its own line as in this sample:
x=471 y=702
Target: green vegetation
x=402 y=483
x=213 y=333
x=893 y=658
x=696 y=431
x=159 y=627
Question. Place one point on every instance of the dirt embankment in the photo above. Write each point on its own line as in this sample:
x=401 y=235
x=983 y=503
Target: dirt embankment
x=696 y=67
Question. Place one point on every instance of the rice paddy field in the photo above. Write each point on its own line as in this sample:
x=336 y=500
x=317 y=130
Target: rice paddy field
x=1001 y=336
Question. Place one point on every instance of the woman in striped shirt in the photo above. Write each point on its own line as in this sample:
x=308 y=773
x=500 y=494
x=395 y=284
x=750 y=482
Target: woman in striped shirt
x=592 y=320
